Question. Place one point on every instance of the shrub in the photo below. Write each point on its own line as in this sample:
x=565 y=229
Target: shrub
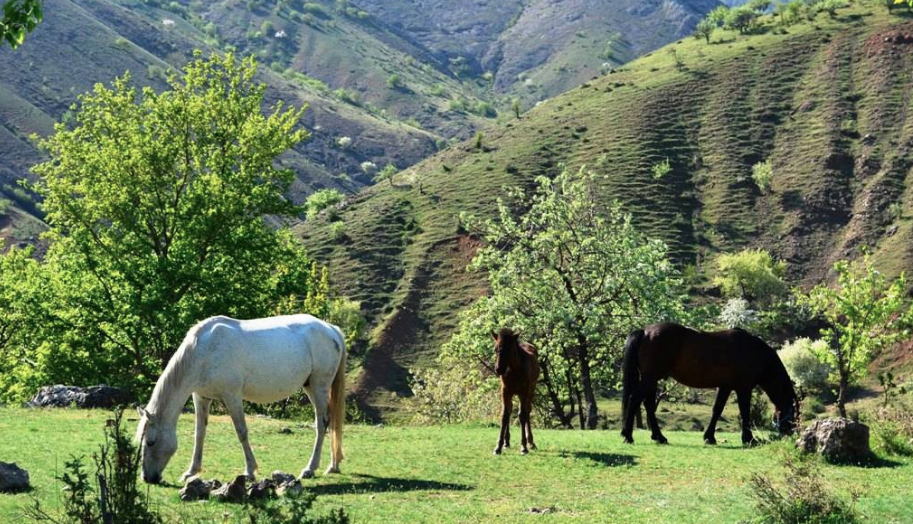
x=799 y=357
x=395 y=82
x=661 y=169
x=737 y=314
x=5 y=205
x=321 y=200
x=294 y=509
x=454 y=393
x=802 y=497
x=347 y=315
x=762 y=174
x=115 y=497
x=752 y=274
x=344 y=142
x=369 y=168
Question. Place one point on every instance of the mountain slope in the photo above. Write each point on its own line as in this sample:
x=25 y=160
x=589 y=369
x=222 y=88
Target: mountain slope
x=826 y=103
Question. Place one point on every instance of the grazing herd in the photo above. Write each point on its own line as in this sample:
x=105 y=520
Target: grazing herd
x=267 y=360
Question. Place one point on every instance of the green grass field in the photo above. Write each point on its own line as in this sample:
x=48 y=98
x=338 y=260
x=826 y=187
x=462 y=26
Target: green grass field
x=445 y=475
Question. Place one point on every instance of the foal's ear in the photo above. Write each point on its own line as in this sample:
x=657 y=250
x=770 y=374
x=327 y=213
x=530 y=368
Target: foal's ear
x=493 y=335
x=142 y=412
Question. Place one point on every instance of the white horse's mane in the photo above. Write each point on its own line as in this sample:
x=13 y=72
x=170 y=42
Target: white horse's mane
x=173 y=376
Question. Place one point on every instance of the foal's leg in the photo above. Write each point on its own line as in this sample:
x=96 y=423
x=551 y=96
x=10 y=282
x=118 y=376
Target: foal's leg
x=201 y=410
x=529 y=425
x=524 y=422
x=506 y=408
x=650 y=404
x=722 y=396
x=235 y=407
x=320 y=399
x=744 y=397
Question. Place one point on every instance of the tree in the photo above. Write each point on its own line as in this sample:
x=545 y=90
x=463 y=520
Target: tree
x=575 y=277
x=20 y=17
x=705 y=29
x=741 y=18
x=515 y=107
x=394 y=82
x=320 y=200
x=718 y=15
x=156 y=203
x=759 y=6
x=762 y=173
x=387 y=173
x=751 y=274
x=865 y=311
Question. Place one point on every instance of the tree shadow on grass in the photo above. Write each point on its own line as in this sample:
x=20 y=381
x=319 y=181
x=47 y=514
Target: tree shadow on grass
x=609 y=460
x=372 y=484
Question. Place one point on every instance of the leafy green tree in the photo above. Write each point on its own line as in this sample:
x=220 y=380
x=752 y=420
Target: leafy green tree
x=575 y=277
x=718 y=15
x=751 y=274
x=20 y=17
x=515 y=107
x=320 y=200
x=705 y=29
x=741 y=18
x=387 y=173
x=865 y=311
x=156 y=203
x=759 y=6
x=394 y=81
x=762 y=174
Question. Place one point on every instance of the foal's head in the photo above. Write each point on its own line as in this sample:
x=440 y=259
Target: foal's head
x=507 y=350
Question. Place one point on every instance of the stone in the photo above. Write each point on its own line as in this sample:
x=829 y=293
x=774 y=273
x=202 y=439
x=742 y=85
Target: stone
x=263 y=490
x=234 y=492
x=292 y=487
x=13 y=478
x=837 y=440
x=196 y=489
x=280 y=477
x=95 y=397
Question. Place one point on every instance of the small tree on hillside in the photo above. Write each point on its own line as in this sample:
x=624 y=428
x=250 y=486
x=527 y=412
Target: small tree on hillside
x=575 y=276
x=751 y=274
x=705 y=29
x=387 y=173
x=320 y=200
x=741 y=18
x=865 y=312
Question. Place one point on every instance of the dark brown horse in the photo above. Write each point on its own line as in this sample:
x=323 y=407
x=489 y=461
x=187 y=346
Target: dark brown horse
x=518 y=366
x=732 y=360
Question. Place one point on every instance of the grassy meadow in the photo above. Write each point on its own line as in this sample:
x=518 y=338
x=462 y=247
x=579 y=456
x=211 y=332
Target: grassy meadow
x=449 y=475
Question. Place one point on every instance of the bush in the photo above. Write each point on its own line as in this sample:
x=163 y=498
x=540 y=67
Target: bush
x=661 y=169
x=294 y=509
x=369 y=168
x=763 y=175
x=802 y=497
x=321 y=200
x=115 y=497
x=799 y=357
x=454 y=393
x=892 y=429
x=737 y=314
x=5 y=205
x=394 y=81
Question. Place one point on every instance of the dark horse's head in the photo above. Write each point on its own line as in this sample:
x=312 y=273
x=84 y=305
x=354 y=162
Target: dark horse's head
x=507 y=350
x=779 y=387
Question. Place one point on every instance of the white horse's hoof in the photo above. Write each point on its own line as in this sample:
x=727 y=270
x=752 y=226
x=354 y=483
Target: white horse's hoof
x=331 y=470
x=307 y=474
x=187 y=476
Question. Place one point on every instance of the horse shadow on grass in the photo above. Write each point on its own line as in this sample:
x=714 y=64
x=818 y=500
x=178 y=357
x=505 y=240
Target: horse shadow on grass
x=373 y=484
x=608 y=460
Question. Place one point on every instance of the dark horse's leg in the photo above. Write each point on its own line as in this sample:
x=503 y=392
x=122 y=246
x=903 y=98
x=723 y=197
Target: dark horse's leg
x=632 y=408
x=506 y=408
x=722 y=396
x=650 y=404
x=744 y=397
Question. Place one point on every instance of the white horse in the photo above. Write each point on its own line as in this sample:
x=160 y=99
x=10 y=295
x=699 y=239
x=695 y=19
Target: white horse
x=263 y=360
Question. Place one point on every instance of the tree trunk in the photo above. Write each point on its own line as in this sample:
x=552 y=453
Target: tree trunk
x=592 y=414
x=842 y=393
x=557 y=406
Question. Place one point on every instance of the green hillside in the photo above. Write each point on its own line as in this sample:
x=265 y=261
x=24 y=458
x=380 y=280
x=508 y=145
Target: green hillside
x=825 y=102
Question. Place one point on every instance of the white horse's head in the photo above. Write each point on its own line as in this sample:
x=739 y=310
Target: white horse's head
x=157 y=444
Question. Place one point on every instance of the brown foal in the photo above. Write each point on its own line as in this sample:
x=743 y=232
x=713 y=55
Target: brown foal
x=518 y=367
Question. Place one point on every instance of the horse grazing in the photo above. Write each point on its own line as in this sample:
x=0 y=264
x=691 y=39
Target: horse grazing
x=518 y=366
x=732 y=360
x=262 y=361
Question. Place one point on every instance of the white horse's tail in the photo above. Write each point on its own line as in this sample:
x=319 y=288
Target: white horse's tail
x=338 y=405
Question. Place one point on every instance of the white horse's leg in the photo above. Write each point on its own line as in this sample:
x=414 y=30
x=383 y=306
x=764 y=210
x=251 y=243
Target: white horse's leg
x=235 y=408
x=320 y=399
x=201 y=410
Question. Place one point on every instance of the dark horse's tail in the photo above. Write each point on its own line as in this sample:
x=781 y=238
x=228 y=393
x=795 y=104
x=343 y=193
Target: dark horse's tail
x=630 y=373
